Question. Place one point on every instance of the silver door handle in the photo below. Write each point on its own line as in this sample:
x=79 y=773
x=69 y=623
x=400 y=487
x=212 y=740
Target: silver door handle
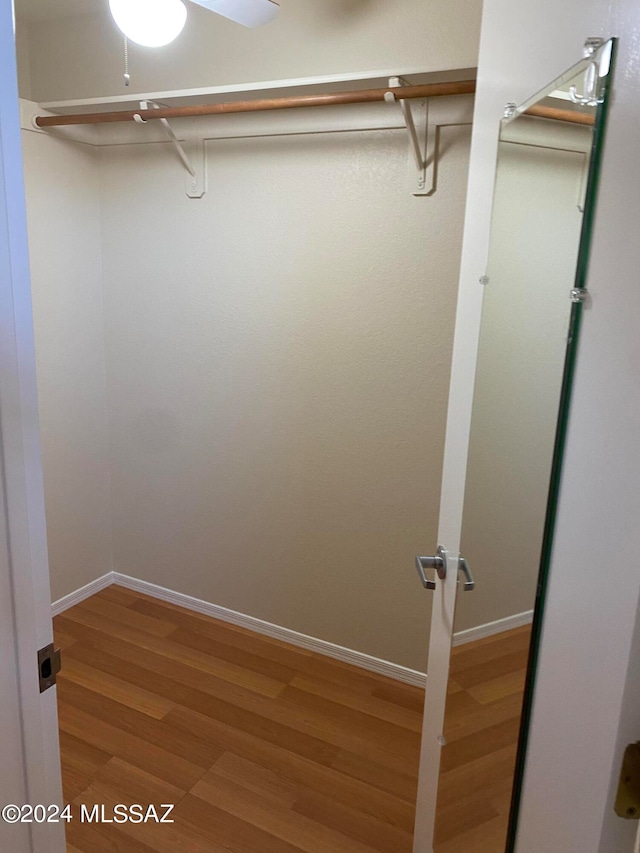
x=438 y=562
x=469 y=583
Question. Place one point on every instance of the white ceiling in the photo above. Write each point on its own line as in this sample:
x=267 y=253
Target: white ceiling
x=41 y=10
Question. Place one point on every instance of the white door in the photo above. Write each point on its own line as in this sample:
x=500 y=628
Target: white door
x=543 y=205
x=29 y=724
x=514 y=410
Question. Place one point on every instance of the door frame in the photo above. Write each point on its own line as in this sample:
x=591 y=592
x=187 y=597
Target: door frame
x=24 y=564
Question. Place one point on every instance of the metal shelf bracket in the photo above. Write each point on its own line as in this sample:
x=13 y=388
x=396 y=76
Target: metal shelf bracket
x=422 y=137
x=191 y=153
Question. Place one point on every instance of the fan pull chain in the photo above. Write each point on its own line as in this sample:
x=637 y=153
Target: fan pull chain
x=127 y=76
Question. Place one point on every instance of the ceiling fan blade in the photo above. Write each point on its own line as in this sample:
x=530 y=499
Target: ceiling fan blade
x=249 y=13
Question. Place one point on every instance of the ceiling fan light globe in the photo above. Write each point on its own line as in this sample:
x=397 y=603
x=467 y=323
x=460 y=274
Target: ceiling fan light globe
x=150 y=23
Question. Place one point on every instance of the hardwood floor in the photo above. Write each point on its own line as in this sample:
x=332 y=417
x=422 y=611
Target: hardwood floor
x=262 y=747
x=486 y=683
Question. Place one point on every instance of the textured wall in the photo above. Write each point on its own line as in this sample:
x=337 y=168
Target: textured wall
x=22 y=57
x=81 y=56
x=277 y=352
x=63 y=212
x=278 y=362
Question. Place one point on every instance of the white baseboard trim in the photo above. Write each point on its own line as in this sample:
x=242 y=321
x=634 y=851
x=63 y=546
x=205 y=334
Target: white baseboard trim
x=491 y=628
x=79 y=595
x=303 y=641
x=368 y=662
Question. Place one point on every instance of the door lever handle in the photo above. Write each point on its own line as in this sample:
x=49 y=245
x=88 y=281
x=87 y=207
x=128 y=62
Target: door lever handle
x=437 y=562
x=469 y=583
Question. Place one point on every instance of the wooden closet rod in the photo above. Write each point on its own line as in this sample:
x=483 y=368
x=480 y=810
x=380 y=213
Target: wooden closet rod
x=365 y=96
x=561 y=115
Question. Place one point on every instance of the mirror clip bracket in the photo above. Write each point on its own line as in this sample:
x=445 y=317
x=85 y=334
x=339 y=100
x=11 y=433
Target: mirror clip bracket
x=591 y=45
x=579 y=295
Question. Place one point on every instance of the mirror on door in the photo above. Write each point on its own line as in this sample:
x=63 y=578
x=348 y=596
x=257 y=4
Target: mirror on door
x=543 y=203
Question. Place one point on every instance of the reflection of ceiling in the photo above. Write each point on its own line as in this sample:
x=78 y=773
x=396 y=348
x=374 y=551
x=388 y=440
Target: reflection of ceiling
x=41 y=10
x=561 y=95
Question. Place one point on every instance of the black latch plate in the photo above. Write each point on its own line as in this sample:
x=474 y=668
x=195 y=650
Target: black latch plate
x=49 y=663
x=628 y=796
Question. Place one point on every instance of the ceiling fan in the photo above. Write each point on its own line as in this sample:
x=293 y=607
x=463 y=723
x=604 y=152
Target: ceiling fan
x=154 y=23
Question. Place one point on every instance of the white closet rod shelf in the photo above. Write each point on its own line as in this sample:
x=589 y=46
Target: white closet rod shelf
x=364 y=96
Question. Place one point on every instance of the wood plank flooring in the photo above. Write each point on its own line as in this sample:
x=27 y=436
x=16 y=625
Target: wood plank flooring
x=486 y=684
x=263 y=747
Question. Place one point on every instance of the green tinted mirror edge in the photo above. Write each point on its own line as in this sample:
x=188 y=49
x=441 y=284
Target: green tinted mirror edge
x=559 y=445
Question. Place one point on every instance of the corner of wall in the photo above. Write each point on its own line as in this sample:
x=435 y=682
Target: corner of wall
x=24 y=59
x=107 y=401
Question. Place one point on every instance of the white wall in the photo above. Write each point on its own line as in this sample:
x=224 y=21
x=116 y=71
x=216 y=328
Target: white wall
x=63 y=210
x=278 y=365
x=22 y=57
x=276 y=448
x=82 y=56
x=592 y=603
x=277 y=361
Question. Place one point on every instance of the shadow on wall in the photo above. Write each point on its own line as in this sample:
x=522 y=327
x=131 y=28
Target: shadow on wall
x=344 y=12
